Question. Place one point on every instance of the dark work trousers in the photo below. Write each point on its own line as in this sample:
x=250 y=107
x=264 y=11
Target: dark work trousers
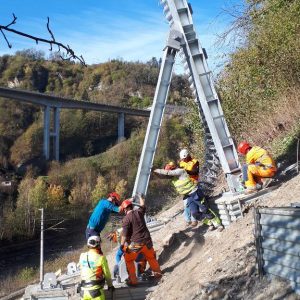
x=198 y=210
x=91 y=232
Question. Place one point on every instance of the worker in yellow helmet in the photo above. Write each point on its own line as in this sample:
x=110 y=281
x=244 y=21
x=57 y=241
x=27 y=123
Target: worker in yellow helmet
x=94 y=271
x=259 y=168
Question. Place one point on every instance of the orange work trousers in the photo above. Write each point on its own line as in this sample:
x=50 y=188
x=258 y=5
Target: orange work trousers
x=256 y=173
x=149 y=254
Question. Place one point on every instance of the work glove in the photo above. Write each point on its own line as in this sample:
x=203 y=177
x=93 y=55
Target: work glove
x=111 y=288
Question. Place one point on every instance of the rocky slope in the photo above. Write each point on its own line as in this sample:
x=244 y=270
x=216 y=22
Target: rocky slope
x=216 y=265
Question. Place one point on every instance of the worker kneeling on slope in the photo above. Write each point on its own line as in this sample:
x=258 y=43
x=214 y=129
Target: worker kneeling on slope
x=94 y=271
x=259 y=168
x=192 y=194
x=136 y=239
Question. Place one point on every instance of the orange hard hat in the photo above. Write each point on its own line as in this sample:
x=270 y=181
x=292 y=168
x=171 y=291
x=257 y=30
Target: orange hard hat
x=126 y=203
x=243 y=147
x=170 y=166
x=115 y=196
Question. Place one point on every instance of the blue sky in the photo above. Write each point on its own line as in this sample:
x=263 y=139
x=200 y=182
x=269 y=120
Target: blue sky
x=102 y=30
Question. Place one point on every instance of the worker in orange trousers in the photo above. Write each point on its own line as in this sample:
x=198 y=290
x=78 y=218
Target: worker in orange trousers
x=136 y=239
x=259 y=165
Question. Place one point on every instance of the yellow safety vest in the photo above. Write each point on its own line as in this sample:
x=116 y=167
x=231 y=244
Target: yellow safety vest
x=91 y=268
x=188 y=166
x=184 y=186
x=261 y=156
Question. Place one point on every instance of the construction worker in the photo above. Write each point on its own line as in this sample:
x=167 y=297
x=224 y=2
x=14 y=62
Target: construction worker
x=136 y=240
x=140 y=260
x=191 y=165
x=94 y=271
x=192 y=193
x=259 y=168
x=101 y=213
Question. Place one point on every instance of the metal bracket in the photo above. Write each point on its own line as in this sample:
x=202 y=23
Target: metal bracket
x=174 y=40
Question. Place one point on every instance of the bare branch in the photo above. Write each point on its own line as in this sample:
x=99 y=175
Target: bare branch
x=48 y=27
x=70 y=52
x=8 y=44
x=13 y=21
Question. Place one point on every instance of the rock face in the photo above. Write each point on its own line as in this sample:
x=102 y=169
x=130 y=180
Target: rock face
x=14 y=84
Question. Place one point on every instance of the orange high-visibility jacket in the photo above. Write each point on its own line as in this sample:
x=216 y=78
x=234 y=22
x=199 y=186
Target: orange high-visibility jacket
x=191 y=167
x=260 y=156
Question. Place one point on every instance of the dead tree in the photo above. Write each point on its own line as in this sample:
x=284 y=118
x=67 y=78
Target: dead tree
x=69 y=53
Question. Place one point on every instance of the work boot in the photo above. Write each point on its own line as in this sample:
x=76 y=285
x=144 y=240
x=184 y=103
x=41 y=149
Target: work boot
x=194 y=223
x=130 y=283
x=211 y=228
x=188 y=223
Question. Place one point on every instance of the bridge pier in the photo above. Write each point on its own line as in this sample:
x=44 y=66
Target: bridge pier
x=121 y=127
x=55 y=132
x=46 y=147
x=48 y=133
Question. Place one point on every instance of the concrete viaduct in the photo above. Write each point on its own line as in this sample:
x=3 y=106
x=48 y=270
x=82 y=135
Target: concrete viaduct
x=55 y=103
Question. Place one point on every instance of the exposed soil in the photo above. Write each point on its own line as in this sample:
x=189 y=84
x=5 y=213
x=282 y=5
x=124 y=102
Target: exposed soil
x=198 y=264
x=216 y=265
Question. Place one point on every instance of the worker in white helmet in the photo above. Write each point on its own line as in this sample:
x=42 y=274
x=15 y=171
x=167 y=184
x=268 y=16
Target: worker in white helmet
x=94 y=271
x=191 y=166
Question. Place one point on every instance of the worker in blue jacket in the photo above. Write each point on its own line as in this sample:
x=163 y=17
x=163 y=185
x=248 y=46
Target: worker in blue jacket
x=101 y=213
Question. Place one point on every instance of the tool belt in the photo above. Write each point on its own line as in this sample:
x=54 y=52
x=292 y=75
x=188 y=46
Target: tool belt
x=135 y=247
x=94 y=293
x=91 y=283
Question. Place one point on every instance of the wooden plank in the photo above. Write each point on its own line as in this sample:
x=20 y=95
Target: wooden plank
x=283 y=221
x=289 y=235
x=284 y=272
x=281 y=246
x=286 y=260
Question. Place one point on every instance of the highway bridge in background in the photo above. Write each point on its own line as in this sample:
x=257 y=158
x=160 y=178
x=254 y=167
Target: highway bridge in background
x=55 y=103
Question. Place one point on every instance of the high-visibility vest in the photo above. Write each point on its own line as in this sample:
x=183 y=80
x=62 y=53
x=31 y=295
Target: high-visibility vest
x=184 y=186
x=91 y=270
x=261 y=156
x=188 y=166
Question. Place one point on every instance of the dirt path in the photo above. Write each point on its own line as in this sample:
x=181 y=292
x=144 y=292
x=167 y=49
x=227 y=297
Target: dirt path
x=216 y=265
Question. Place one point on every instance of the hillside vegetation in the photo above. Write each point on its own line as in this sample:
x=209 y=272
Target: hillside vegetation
x=259 y=88
x=77 y=184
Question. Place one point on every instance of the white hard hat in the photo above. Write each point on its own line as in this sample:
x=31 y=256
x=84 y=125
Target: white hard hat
x=184 y=153
x=94 y=241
